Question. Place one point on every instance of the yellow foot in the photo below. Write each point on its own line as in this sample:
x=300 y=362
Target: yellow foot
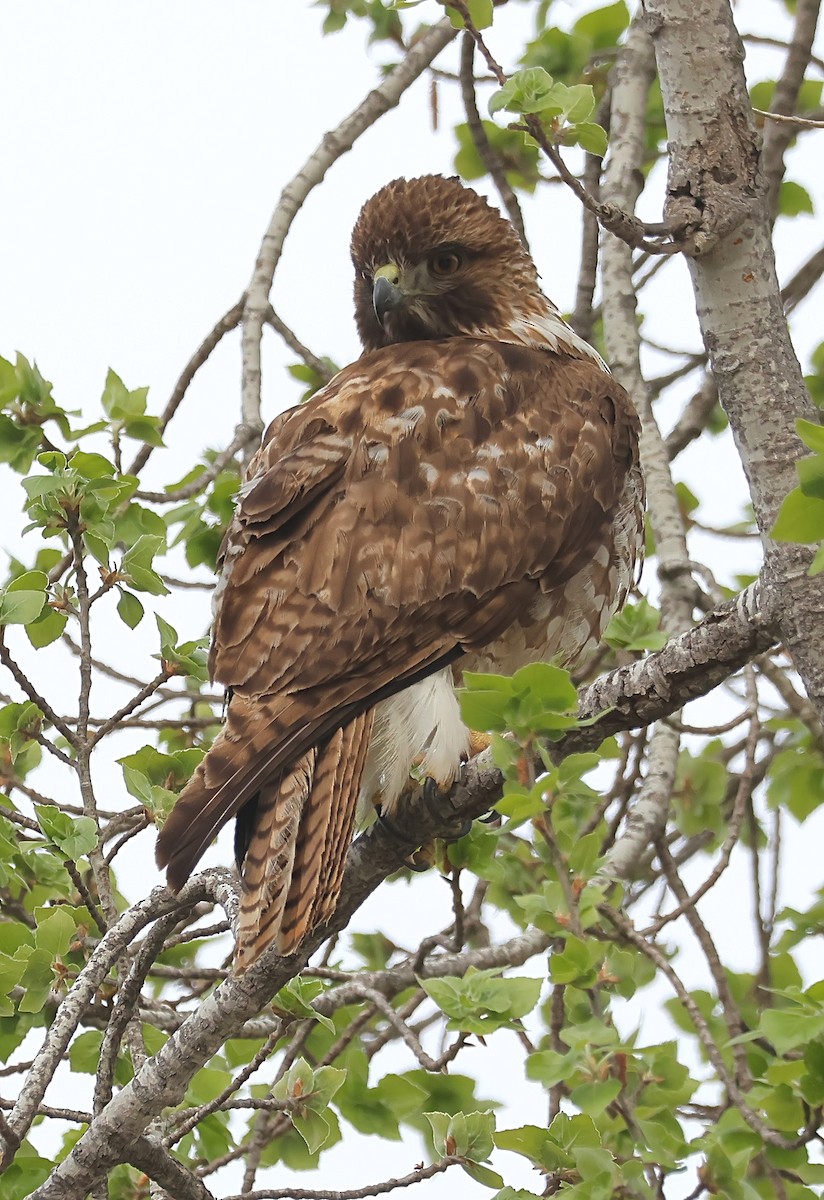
x=478 y=742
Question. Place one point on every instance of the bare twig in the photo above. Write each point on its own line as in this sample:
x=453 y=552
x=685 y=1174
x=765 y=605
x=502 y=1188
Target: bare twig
x=320 y=366
x=376 y=1189
x=24 y=683
x=489 y=156
x=243 y=437
x=229 y=321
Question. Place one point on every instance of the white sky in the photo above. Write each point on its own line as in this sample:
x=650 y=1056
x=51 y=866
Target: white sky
x=144 y=148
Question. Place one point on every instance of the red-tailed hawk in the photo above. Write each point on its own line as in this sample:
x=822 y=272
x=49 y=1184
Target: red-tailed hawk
x=467 y=494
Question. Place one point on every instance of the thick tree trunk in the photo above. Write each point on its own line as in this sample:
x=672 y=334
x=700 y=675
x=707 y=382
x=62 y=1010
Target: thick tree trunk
x=715 y=189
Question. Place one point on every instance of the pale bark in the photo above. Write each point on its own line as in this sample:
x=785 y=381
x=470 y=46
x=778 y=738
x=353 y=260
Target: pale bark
x=632 y=77
x=715 y=192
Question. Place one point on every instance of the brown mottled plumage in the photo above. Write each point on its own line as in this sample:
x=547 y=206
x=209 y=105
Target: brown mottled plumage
x=466 y=494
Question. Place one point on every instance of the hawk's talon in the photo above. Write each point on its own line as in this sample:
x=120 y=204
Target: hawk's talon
x=490 y=818
x=433 y=795
x=418 y=866
x=396 y=834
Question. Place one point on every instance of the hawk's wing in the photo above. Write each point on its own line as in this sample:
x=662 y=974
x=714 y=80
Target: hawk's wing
x=410 y=510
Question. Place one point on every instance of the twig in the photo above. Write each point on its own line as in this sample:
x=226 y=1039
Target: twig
x=243 y=437
x=375 y=1189
x=622 y=224
x=147 y=690
x=583 y=314
x=85 y=894
x=786 y=119
x=803 y=281
x=659 y=960
x=196 y=1115
x=80 y=995
x=489 y=156
x=693 y=420
x=26 y=686
x=407 y=1036
x=230 y=320
x=759 y=40
x=781 y=123
x=320 y=366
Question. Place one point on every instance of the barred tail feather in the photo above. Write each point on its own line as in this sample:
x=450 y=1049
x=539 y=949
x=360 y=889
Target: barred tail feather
x=269 y=865
x=314 y=806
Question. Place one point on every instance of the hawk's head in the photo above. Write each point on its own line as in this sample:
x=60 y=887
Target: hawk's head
x=433 y=259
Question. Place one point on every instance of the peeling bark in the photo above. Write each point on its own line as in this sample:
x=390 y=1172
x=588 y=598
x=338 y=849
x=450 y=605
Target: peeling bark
x=715 y=192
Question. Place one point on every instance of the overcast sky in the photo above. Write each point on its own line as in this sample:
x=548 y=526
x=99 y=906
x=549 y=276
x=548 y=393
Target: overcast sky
x=144 y=148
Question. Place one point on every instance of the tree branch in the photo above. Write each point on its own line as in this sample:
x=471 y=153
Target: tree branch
x=714 y=185
x=781 y=125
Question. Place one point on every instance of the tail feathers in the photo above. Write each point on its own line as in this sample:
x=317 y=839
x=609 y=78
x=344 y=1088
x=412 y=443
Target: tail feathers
x=294 y=864
x=306 y=799
x=227 y=777
x=269 y=864
x=346 y=785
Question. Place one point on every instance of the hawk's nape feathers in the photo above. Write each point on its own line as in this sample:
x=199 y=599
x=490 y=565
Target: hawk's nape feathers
x=467 y=494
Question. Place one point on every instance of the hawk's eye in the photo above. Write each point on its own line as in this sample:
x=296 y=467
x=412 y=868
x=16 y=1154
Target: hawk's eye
x=444 y=263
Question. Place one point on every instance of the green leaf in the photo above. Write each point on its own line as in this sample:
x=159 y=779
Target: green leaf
x=800 y=519
x=47 y=628
x=591 y=137
x=811 y=475
x=20 y=608
x=129 y=609
x=576 y=963
x=24 y=1176
x=74 y=836
x=440 y=1124
x=519 y=156
x=207 y=1084
x=531 y=90
x=137 y=565
x=84 y=1052
x=789 y=1028
x=29 y=581
x=481 y=1001
x=529 y=1141
x=811 y=434
x=509 y=1193
x=603 y=26
x=296 y=997
x=549 y=684
x=313 y=1128
x=793 y=199
x=595 y=1098
x=483 y=710
x=91 y=466
x=37 y=981
x=481 y=1174
x=11 y=972
x=480 y=14
x=118 y=402
x=144 y=429
x=636 y=627
x=795 y=780
x=55 y=930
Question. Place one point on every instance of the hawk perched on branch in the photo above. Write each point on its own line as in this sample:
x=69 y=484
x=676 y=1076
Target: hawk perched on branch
x=467 y=494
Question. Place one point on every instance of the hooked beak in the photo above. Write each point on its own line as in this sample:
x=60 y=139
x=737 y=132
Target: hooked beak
x=386 y=294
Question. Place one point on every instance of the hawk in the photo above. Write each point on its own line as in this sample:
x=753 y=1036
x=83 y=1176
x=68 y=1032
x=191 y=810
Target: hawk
x=465 y=495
